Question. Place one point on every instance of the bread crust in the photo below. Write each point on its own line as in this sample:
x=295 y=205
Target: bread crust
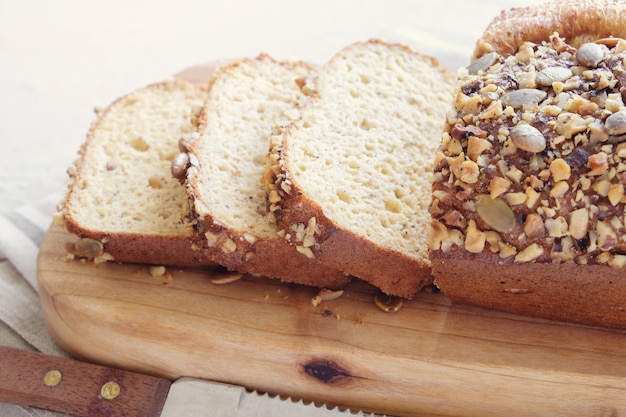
x=129 y=246
x=590 y=294
x=145 y=249
x=578 y=21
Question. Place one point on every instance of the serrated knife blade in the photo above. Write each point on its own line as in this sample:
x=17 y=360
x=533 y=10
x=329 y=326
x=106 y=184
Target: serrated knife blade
x=191 y=397
x=82 y=389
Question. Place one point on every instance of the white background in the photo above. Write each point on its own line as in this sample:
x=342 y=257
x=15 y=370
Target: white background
x=60 y=59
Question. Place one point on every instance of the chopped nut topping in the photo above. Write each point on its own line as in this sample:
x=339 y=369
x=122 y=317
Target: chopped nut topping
x=607 y=238
x=533 y=226
x=560 y=170
x=58 y=219
x=556 y=227
x=104 y=257
x=157 y=271
x=469 y=172
x=513 y=199
x=308 y=239
x=228 y=246
x=327 y=295
x=532 y=166
x=250 y=238
x=454 y=219
x=498 y=186
x=598 y=163
x=569 y=124
x=474 y=239
x=532 y=197
x=559 y=189
x=476 y=146
x=578 y=223
x=615 y=194
x=227 y=278
x=306 y=251
x=617 y=261
x=494 y=110
x=529 y=254
x=438 y=233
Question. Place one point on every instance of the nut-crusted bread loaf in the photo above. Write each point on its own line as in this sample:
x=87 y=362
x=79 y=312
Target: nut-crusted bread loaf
x=121 y=190
x=226 y=204
x=528 y=196
x=349 y=180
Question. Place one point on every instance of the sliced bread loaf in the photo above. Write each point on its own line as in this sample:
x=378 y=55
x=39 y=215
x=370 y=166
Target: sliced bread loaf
x=121 y=191
x=349 y=180
x=227 y=156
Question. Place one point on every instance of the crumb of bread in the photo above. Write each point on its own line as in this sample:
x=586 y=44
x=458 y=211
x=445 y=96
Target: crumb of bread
x=157 y=271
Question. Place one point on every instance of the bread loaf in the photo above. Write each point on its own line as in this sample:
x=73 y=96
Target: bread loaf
x=226 y=205
x=349 y=179
x=528 y=209
x=121 y=190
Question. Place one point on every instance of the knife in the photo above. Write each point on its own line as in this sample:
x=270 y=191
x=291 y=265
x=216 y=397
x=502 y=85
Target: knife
x=82 y=389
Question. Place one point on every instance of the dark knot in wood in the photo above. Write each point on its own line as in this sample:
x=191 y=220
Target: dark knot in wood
x=326 y=371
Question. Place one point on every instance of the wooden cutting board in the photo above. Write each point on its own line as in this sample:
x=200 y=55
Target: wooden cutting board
x=430 y=358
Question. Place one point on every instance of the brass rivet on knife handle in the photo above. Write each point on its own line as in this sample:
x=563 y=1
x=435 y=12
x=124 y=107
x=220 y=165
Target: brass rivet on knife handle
x=110 y=390
x=77 y=388
x=52 y=378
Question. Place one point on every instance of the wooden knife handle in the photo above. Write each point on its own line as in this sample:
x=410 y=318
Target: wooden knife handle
x=77 y=388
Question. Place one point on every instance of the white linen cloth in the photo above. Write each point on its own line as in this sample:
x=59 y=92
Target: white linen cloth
x=59 y=60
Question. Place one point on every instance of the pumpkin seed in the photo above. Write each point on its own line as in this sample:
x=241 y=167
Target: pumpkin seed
x=496 y=213
x=609 y=42
x=589 y=54
x=527 y=138
x=616 y=123
x=388 y=303
x=482 y=63
x=85 y=248
x=517 y=98
x=550 y=75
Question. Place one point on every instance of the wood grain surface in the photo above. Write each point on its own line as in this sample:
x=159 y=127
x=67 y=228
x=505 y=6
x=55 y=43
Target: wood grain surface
x=430 y=358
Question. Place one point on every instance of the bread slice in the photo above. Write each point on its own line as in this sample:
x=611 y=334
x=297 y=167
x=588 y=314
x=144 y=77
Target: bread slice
x=121 y=191
x=349 y=180
x=226 y=196
x=528 y=194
